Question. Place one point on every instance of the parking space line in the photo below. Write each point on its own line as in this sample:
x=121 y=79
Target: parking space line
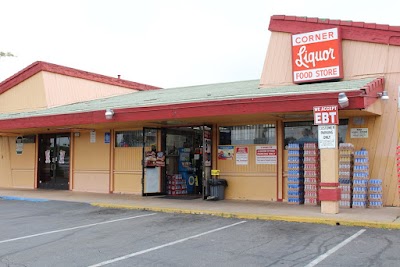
x=334 y=249
x=163 y=246
x=74 y=228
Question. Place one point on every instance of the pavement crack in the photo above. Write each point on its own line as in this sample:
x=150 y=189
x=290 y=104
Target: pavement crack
x=9 y=263
x=376 y=259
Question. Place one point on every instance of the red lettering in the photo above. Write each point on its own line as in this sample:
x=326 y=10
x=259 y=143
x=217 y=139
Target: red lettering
x=327 y=72
x=315 y=37
x=303 y=75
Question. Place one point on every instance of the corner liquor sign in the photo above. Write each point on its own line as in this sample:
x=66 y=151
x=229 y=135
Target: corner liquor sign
x=317 y=56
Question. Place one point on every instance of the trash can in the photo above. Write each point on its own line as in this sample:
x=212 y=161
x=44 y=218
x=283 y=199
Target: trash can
x=217 y=188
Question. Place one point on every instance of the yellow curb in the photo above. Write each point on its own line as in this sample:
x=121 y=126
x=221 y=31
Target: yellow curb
x=249 y=216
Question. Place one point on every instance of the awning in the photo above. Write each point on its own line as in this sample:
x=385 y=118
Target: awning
x=224 y=99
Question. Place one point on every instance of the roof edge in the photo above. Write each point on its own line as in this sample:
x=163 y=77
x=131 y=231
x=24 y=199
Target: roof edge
x=229 y=106
x=350 y=30
x=39 y=66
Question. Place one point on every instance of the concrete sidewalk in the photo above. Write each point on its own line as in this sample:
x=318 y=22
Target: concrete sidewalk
x=387 y=217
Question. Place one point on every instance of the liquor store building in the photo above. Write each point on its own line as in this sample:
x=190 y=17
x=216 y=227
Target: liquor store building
x=63 y=128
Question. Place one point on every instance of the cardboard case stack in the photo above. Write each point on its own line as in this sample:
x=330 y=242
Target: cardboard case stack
x=346 y=154
x=311 y=173
x=295 y=174
x=398 y=169
x=360 y=179
x=375 y=193
x=176 y=185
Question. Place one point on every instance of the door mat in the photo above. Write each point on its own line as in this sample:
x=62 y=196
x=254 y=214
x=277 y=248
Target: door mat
x=183 y=197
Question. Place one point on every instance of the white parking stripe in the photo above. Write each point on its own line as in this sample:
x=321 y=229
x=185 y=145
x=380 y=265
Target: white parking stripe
x=74 y=228
x=334 y=249
x=163 y=246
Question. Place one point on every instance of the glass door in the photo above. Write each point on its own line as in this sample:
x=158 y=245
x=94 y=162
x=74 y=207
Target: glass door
x=54 y=161
x=207 y=159
x=153 y=174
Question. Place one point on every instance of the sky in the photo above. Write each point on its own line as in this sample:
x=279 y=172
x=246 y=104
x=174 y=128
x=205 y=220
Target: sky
x=165 y=43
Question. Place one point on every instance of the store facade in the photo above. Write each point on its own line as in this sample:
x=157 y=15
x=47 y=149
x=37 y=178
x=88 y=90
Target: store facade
x=54 y=132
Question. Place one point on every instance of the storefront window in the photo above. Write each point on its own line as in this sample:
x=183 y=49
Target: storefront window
x=306 y=132
x=129 y=138
x=247 y=134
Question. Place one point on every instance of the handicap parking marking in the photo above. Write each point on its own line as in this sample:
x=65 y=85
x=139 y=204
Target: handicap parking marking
x=163 y=246
x=75 y=228
x=334 y=249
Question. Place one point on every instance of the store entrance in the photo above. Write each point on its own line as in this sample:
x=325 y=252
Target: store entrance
x=54 y=161
x=188 y=161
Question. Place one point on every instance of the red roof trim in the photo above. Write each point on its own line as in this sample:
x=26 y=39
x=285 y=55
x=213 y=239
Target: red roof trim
x=356 y=31
x=372 y=89
x=53 y=68
x=296 y=103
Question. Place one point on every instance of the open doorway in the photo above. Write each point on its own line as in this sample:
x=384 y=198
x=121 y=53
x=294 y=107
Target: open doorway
x=178 y=166
x=184 y=161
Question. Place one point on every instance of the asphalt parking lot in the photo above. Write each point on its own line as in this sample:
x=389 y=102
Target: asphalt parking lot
x=56 y=233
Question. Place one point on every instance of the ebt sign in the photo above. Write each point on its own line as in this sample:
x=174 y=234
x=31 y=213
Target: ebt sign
x=326 y=115
x=317 y=56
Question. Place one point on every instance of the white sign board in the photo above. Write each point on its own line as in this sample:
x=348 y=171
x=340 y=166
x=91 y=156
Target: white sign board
x=326 y=115
x=359 y=133
x=152 y=180
x=19 y=145
x=327 y=136
x=92 y=136
x=266 y=155
x=242 y=155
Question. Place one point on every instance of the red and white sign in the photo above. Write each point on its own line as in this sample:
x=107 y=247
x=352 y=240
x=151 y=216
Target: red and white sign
x=317 y=56
x=266 y=155
x=326 y=115
x=242 y=155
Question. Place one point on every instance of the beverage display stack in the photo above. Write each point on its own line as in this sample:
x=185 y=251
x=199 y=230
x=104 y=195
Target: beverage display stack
x=295 y=174
x=176 y=185
x=346 y=154
x=375 y=193
x=311 y=173
x=398 y=169
x=360 y=179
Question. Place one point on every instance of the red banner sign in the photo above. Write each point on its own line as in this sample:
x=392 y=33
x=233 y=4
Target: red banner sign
x=317 y=56
x=326 y=115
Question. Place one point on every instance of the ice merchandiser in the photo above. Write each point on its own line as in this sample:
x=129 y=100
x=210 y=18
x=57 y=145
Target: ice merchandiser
x=185 y=168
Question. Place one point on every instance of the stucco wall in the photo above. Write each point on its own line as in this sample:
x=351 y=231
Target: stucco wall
x=360 y=60
x=5 y=163
x=91 y=163
x=26 y=96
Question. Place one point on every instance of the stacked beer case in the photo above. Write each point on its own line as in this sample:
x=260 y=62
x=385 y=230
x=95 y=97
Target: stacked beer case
x=176 y=185
x=360 y=179
x=398 y=169
x=311 y=173
x=346 y=154
x=375 y=193
x=295 y=174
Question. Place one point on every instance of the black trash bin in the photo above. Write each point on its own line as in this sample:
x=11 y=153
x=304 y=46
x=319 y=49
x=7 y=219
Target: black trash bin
x=217 y=188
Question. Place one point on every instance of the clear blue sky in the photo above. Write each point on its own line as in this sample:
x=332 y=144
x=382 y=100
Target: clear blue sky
x=167 y=43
